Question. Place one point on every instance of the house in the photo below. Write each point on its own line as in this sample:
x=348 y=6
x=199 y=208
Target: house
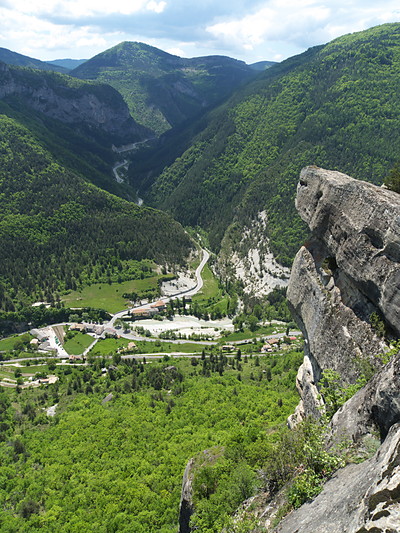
x=110 y=332
x=94 y=328
x=159 y=306
x=142 y=313
x=131 y=346
x=34 y=342
x=45 y=346
x=73 y=358
x=40 y=335
x=78 y=327
x=266 y=348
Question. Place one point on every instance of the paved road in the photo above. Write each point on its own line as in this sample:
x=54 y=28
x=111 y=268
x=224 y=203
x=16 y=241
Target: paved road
x=189 y=292
x=118 y=165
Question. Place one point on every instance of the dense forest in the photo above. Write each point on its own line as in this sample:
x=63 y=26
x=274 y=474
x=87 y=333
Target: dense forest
x=118 y=465
x=58 y=231
x=334 y=106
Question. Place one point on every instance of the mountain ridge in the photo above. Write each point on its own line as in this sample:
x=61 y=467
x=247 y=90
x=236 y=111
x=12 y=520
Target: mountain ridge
x=20 y=60
x=163 y=90
x=333 y=106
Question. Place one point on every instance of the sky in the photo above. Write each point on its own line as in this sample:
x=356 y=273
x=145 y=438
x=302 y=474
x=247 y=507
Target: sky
x=250 y=30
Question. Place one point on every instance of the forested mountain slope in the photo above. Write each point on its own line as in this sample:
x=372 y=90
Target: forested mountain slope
x=67 y=64
x=77 y=121
x=58 y=231
x=87 y=106
x=335 y=106
x=13 y=58
x=163 y=90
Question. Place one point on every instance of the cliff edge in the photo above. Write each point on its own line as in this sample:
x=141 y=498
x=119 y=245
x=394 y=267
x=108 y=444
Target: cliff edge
x=345 y=274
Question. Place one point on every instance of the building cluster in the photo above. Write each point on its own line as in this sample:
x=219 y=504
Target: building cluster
x=154 y=309
x=97 y=329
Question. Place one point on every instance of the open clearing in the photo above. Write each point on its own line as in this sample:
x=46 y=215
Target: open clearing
x=186 y=325
x=109 y=296
x=78 y=344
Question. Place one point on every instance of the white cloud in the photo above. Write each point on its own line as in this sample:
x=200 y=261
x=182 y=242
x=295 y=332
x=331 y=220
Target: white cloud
x=157 y=7
x=176 y=52
x=301 y=22
x=248 y=29
x=280 y=20
x=32 y=36
x=87 y=8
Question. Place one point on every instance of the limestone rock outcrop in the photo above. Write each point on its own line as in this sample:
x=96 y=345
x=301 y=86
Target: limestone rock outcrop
x=348 y=271
x=376 y=407
x=186 y=505
x=94 y=105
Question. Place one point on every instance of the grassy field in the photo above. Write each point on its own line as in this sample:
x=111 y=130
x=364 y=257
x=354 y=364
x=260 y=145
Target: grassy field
x=8 y=344
x=247 y=334
x=157 y=347
x=109 y=297
x=110 y=346
x=211 y=296
x=78 y=344
x=210 y=287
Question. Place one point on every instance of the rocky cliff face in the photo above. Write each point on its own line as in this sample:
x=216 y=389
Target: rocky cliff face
x=95 y=106
x=186 y=508
x=348 y=271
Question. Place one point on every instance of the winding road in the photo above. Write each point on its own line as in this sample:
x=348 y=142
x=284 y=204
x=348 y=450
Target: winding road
x=166 y=299
x=125 y=163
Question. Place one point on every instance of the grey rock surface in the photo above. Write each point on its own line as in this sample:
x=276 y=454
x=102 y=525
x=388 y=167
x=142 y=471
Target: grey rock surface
x=360 y=225
x=186 y=505
x=348 y=270
x=375 y=407
x=360 y=498
x=97 y=106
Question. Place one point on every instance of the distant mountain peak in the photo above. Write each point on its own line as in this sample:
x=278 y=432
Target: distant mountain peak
x=164 y=90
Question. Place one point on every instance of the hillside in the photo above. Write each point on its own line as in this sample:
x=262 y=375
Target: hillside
x=19 y=60
x=87 y=106
x=262 y=65
x=163 y=90
x=334 y=106
x=77 y=121
x=117 y=465
x=58 y=231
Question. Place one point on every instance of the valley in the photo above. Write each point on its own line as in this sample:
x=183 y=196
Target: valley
x=172 y=280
